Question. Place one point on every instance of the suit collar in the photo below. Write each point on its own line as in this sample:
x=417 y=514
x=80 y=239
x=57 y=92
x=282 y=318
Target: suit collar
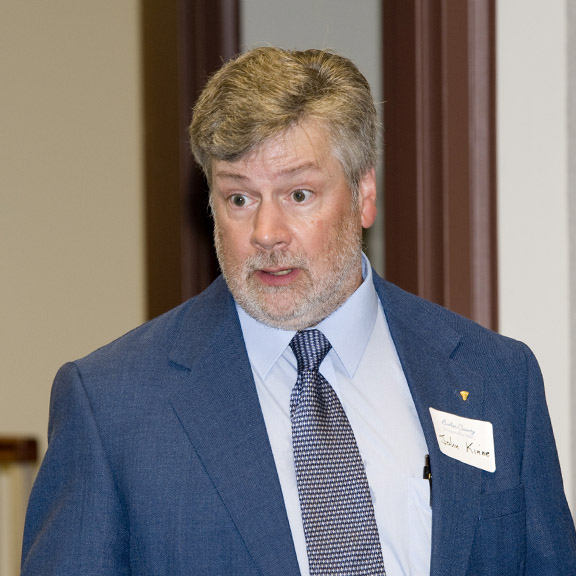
x=203 y=322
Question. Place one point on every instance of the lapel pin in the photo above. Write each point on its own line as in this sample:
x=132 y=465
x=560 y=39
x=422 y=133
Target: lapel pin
x=464 y=395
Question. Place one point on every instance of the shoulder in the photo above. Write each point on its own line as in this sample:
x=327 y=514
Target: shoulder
x=415 y=317
x=150 y=345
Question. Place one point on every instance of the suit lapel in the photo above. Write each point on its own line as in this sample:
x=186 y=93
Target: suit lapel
x=218 y=406
x=436 y=379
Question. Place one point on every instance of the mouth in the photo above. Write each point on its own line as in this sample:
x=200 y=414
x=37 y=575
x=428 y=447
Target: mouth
x=277 y=276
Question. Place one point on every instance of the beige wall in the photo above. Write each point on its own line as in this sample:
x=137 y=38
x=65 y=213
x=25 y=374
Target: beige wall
x=533 y=200
x=71 y=239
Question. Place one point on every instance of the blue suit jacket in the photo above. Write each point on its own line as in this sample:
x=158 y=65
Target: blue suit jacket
x=159 y=462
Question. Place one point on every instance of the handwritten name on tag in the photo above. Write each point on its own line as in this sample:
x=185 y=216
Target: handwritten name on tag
x=469 y=441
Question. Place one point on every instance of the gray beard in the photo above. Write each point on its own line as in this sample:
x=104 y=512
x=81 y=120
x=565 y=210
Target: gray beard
x=325 y=294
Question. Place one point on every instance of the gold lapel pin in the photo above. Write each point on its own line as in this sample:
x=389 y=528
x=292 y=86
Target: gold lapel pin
x=464 y=395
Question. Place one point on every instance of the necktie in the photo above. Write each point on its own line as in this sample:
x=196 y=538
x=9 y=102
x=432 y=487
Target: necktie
x=337 y=512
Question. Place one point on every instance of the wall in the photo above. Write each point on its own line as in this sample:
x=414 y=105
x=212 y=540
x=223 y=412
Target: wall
x=71 y=241
x=571 y=67
x=533 y=199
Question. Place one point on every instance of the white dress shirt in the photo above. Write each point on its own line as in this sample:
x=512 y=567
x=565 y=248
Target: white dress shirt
x=365 y=372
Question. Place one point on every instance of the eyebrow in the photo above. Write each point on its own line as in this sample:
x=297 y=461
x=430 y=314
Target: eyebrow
x=285 y=172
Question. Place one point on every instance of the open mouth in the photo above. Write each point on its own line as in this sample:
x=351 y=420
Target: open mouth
x=277 y=277
x=280 y=272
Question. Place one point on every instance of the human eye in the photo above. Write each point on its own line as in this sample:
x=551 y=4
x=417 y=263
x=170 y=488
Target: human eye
x=239 y=200
x=300 y=195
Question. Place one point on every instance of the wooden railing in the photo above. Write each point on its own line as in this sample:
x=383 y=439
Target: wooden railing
x=18 y=457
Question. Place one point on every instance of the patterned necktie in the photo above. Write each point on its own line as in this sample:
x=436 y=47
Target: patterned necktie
x=337 y=513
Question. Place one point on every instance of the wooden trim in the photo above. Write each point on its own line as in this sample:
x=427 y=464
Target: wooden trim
x=182 y=42
x=440 y=185
x=161 y=154
x=209 y=35
x=482 y=76
x=14 y=449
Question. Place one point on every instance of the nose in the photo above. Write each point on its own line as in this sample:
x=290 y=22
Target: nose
x=271 y=229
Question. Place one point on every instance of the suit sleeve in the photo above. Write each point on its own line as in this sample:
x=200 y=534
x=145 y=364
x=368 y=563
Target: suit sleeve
x=551 y=540
x=75 y=522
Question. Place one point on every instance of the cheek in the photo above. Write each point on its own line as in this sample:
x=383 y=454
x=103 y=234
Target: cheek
x=309 y=231
x=230 y=234
x=232 y=248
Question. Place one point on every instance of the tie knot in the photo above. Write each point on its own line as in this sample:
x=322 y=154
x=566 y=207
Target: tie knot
x=310 y=348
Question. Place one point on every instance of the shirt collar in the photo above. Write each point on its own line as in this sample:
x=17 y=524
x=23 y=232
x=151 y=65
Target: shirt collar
x=348 y=329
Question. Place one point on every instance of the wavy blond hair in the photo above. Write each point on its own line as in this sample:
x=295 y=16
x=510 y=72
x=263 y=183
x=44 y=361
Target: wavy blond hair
x=268 y=90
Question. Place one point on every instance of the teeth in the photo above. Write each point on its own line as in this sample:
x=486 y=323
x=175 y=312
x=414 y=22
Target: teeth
x=281 y=272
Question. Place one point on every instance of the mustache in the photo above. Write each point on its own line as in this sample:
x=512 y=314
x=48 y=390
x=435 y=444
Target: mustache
x=274 y=260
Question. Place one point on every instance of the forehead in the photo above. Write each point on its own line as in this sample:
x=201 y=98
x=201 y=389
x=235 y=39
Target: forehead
x=304 y=147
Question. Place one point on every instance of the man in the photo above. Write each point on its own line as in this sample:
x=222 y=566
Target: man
x=301 y=415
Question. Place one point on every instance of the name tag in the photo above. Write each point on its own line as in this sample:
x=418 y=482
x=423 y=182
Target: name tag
x=467 y=440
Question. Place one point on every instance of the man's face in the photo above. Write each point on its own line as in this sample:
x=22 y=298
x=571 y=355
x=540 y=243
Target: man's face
x=287 y=232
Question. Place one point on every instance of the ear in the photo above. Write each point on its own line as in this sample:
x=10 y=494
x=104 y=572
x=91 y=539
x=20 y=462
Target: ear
x=367 y=198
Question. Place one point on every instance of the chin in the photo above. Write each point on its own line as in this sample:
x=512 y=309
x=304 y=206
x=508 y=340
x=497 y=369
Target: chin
x=285 y=319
